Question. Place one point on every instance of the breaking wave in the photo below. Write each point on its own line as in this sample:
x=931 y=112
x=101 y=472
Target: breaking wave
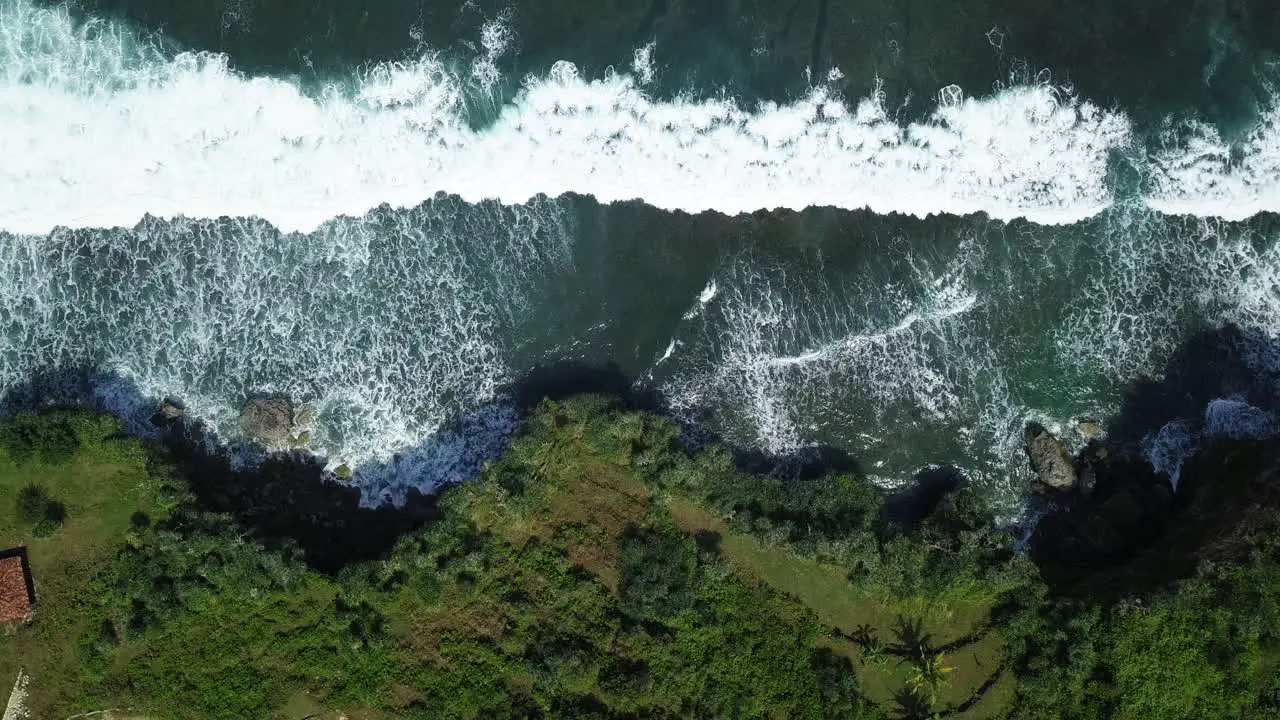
x=102 y=127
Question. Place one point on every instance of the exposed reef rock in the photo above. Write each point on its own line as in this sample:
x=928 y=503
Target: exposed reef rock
x=1049 y=458
x=169 y=413
x=268 y=421
x=1205 y=426
x=1088 y=429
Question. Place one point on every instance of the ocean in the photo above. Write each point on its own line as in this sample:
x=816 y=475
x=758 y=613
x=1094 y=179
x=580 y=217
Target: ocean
x=902 y=230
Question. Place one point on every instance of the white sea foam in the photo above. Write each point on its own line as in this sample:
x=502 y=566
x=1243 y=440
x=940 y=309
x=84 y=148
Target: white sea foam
x=1200 y=173
x=495 y=40
x=788 y=349
x=666 y=354
x=391 y=325
x=704 y=298
x=708 y=293
x=101 y=129
x=853 y=343
x=642 y=64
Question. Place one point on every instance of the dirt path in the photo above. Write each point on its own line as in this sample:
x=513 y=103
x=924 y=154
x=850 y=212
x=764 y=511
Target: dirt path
x=16 y=708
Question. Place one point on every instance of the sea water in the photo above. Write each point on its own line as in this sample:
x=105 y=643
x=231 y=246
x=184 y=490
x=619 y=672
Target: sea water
x=869 y=227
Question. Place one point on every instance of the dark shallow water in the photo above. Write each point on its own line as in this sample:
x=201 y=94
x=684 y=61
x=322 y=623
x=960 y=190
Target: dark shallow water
x=1150 y=57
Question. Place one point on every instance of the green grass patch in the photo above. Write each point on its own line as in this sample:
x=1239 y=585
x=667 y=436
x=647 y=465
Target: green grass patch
x=825 y=589
x=102 y=481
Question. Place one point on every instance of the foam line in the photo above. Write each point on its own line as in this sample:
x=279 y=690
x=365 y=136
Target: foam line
x=1204 y=175
x=855 y=342
x=101 y=129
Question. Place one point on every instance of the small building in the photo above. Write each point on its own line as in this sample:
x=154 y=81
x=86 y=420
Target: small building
x=17 y=589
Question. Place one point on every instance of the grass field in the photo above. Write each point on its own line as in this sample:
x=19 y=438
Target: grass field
x=826 y=591
x=102 y=484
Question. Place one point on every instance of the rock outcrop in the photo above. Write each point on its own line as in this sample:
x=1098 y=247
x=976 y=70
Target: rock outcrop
x=268 y=421
x=1049 y=458
x=168 y=414
x=1088 y=429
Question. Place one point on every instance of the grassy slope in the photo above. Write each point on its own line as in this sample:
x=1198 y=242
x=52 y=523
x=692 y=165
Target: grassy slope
x=102 y=486
x=589 y=491
x=459 y=641
x=825 y=589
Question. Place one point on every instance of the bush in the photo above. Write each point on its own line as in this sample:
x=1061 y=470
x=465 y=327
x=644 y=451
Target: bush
x=44 y=514
x=655 y=573
x=1184 y=656
x=51 y=437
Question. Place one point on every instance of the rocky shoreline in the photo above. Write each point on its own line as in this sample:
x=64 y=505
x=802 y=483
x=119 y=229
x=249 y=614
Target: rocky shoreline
x=1103 y=514
x=1109 y=523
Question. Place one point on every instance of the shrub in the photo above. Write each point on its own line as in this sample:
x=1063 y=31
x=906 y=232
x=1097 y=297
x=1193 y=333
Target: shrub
x=51 y=437
x=44 y=514
x=655 y=573
x=1183 y=656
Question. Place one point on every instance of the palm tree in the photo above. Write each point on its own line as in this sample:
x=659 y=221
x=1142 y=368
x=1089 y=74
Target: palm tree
x=930 y=677
x=913 y=642
x=865 y=636
x=913 y=706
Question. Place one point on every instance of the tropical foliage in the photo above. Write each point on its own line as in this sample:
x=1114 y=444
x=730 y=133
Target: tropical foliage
x=598 y=569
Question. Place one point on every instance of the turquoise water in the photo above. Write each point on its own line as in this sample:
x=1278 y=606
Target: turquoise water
x=903 y=231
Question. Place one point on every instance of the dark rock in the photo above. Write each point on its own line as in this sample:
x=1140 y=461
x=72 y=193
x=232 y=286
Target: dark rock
x=1090 y=463
x=1131 y=533
x=268 y=421
x=1123 y=514
x=1049 y=458
x=1088 y=479
x=169 y=413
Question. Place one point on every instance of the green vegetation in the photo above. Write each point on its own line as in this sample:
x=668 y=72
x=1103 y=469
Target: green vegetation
x=41 y=513
x=95 y=482
x=596 y=570
x=1207 y=647
x=51 y=438
x=655 y=574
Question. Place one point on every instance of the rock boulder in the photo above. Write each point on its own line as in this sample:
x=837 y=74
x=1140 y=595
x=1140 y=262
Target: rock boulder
x=169 y=413
x=268 y=421
x=1049 y=458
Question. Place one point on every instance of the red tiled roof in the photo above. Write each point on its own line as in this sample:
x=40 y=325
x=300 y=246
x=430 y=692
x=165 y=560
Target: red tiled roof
x=15 y=593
